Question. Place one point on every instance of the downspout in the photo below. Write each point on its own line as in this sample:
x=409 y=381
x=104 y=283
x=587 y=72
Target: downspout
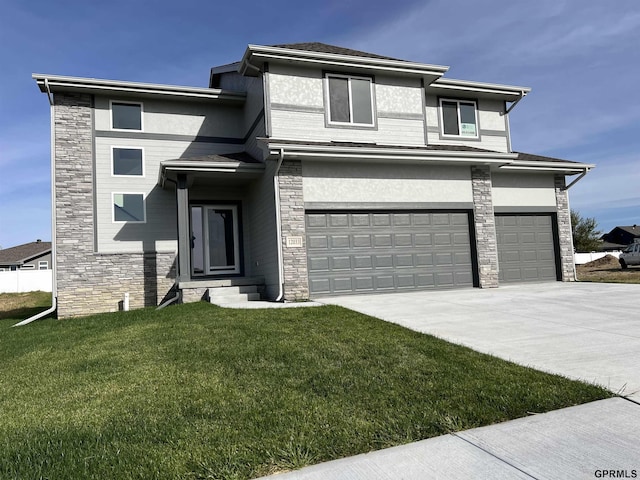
x=54 y=283
x=276 y=189
x=177 y=296
x=567 y=187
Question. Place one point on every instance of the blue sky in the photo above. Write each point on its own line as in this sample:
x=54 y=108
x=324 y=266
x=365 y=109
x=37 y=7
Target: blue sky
x=581 y=58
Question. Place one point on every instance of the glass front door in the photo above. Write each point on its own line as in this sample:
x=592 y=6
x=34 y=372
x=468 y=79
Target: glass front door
x=215 y=245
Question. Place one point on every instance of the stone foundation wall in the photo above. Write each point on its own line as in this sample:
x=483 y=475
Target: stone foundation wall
x=485 y=227
x=90 y=282
x=296 y=279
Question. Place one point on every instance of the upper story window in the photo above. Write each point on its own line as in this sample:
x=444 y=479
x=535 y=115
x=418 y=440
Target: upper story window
x=43 y=265
x=350 y=100
x=127 y=162
x=126 y=116
x=459 y=118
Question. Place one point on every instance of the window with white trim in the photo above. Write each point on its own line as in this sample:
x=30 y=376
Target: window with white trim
x=459 y=118
x=27 y=267
x=127 y=162
x=126 y=116
x=128 y=207
x=43 y=265
x=349 y=100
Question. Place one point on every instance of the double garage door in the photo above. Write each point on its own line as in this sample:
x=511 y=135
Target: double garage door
x=383 y=251
x=380 y=251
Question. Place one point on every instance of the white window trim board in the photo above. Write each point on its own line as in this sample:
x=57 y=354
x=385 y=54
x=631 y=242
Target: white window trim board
x=458 y=101
x=113 y=174
x=111 y=102
x=144 y=208
x=328 y=100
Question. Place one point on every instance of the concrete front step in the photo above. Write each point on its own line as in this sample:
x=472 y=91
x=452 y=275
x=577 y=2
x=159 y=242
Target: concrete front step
x=231 y=298
x=224 y=291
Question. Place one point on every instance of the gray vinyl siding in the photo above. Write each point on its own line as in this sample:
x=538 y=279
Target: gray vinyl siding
x=262 y=230
x=491 y=123
x=253 y=108
x=170 y=131
x=43 y=258
x=298 y=109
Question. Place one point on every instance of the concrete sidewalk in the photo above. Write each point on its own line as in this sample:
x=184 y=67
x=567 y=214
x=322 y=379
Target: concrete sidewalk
x=573 y=443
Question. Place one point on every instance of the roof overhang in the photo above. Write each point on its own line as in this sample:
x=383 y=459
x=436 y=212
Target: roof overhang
x=210 y=167
x=376 y=153
x=256 y=55
x=464 y=88
x=56 y=83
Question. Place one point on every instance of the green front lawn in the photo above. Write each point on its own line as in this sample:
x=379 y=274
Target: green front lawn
x=196 y=391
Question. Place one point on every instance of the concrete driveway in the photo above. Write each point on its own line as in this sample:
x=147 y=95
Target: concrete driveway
x=586 y=331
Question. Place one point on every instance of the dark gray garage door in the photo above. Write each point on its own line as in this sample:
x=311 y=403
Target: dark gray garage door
x=526 y=248
x=358 y=252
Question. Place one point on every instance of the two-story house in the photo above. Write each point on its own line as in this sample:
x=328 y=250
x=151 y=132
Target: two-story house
x=304 y=170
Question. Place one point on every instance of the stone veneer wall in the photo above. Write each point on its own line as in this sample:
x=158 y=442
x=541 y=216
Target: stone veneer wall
x=90 y=282
x=564 y=230
x=485 y=227
x=296 y=279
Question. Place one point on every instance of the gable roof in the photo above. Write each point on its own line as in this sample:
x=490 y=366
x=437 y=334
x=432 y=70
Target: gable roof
x=22 y=253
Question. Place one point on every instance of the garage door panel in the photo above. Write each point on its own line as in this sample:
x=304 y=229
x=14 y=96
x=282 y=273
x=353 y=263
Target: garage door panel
x=320 y=242
x=341 y=263
x=361 y=241
x=403 y=240
x=339 y=241
x=353 y=252
x=319 y=264
x=383 y=261
x=382 y=219
x=362 y=262
x=526 y=248
x=404 y=261
x=338 y=220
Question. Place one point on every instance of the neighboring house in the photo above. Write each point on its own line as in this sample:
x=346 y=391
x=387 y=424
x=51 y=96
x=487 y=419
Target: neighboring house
x=30 y=256
x=306 y=170
x=620 y=237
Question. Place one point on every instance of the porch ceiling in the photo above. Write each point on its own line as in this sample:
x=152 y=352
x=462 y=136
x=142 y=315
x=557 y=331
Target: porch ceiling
x=231 y=169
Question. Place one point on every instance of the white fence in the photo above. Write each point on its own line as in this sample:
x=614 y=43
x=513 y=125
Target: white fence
x=26 y=281
x=580 y=258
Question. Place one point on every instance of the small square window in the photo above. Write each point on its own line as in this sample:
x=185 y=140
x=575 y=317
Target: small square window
x=126 y=116
x=350 y=100
x=128 y=207
x=43 y=265
x=459 y=118
x=127 y=161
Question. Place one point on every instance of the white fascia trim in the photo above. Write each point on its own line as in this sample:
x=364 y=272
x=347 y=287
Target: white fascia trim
x=568 y=168
x=391 y=154
x=333 y=59
x=479 y=87
x=57 y=82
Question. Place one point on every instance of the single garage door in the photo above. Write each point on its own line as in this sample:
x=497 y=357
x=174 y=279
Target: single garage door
x=526 y=248
x=382 y=251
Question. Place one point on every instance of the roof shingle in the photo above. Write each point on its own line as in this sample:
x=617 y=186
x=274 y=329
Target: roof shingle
x=325 y=48
x=20 y=253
